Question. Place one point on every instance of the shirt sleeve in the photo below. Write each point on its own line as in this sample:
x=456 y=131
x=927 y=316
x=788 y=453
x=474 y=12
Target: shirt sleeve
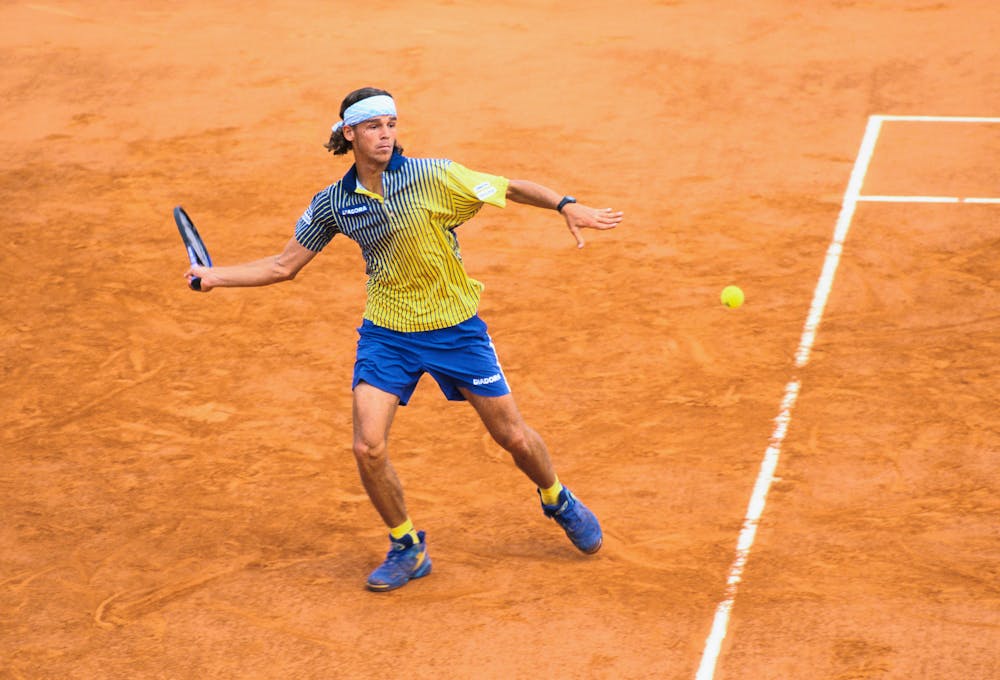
x=470 y=189
x=317 y=226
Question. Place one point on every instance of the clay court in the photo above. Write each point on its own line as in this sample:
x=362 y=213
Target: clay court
x=177 y=489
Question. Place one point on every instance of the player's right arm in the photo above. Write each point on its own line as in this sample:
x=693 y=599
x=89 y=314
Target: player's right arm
x=274 y=269
x=313 y=232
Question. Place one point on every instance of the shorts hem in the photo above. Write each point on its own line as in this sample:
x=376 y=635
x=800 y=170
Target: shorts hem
x=401 y=394
x=482 y=391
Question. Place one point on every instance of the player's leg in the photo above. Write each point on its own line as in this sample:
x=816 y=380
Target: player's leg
x=407 y=557
x=508 y=428
x=373 y=414
x=463 y=361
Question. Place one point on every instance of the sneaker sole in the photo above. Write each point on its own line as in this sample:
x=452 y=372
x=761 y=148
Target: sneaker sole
x=422 y=571
x=595 y=548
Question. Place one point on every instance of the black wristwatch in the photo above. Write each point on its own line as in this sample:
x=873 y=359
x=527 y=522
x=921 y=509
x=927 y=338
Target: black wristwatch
x=564 y=201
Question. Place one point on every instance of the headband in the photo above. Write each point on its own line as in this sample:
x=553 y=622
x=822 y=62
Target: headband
x=379 y=105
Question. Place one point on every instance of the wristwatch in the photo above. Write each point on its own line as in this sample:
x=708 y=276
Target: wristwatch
x=564 y=201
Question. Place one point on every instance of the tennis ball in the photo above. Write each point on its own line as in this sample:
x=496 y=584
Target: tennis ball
x=732 y=296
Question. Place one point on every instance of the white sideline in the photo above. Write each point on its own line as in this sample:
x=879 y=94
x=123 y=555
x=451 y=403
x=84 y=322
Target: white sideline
x=713 y=646
x=765 y=477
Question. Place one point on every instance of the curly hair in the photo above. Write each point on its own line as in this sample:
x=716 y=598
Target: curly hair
x=337 y=144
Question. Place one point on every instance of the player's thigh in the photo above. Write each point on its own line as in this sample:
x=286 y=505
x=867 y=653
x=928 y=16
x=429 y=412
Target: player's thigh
x=499 y=414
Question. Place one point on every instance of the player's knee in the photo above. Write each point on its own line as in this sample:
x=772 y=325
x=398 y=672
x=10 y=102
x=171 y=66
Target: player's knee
x=514 y=439
x=370 y=453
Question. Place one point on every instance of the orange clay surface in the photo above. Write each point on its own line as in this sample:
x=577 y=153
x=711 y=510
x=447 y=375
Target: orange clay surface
x=178 y=497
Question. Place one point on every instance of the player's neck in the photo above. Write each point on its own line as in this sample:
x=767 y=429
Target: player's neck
x=370 y=173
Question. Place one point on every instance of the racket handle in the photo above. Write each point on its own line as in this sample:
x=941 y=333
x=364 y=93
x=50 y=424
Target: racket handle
x=195 y=283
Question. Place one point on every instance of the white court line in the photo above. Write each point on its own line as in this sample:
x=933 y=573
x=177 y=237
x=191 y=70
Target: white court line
x=910 y=199
x=941 y=119
x=748 y=533
x=847 y=207
x=925 y=199
x=713 y=645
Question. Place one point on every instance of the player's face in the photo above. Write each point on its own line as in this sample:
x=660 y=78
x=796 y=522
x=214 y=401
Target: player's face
x=374 y=138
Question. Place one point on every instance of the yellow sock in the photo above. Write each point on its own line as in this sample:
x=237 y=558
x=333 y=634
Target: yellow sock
x=404 y=529
x=550 y=496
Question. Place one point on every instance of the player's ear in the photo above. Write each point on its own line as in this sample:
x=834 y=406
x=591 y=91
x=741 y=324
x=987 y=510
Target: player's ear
x=348 y=132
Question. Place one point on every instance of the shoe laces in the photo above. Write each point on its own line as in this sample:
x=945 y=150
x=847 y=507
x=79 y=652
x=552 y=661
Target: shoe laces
x=400 y=549
x=571 y=515
x=397 y=550
x=566 y=509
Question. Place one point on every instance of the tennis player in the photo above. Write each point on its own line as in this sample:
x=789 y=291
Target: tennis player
x=421 y=311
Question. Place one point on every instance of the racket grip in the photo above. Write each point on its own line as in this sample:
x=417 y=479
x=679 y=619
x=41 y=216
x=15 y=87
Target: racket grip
x=195 y=283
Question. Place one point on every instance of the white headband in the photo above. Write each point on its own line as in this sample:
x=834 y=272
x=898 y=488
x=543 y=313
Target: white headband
x=379 y=105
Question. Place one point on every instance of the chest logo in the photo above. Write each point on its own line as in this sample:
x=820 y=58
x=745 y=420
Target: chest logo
x=353 y=210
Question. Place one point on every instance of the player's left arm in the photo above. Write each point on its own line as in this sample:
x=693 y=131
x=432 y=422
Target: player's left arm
x=577 y=215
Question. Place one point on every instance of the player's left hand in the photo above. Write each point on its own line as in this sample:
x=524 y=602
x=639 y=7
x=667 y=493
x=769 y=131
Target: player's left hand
x=584 y=217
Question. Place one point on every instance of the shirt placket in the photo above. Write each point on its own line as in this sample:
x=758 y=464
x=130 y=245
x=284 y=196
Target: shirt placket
x=387 y=204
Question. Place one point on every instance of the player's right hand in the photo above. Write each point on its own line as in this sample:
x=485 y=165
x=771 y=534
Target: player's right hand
x=197 y=271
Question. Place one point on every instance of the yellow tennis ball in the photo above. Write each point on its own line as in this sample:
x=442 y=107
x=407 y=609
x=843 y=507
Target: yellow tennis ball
x=732 y=296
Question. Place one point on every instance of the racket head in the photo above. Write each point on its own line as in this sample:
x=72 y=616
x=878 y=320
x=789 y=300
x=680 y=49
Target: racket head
x=196 y=250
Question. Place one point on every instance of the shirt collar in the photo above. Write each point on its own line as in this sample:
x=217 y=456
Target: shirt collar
x=350 y=180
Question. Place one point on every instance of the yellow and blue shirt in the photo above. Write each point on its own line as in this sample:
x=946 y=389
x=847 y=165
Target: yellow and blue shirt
x=416 y=279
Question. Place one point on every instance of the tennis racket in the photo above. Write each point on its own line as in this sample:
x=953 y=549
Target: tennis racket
x=196 y=250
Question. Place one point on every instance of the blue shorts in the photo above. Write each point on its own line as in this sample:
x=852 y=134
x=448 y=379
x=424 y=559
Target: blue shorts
x=458 y=356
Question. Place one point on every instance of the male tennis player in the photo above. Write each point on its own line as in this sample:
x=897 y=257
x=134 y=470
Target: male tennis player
x=421 y=311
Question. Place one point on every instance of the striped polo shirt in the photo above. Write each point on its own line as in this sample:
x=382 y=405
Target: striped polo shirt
x=416 y=279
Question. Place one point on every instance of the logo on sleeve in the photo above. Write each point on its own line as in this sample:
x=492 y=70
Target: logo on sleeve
x=353 y=210
x=484 y=190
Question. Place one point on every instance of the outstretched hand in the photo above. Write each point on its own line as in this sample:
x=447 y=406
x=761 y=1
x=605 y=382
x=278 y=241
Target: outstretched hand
x=583 y=217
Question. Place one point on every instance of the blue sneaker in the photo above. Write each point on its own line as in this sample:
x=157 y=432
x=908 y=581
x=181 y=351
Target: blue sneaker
x=404 y=561
x=577 y=521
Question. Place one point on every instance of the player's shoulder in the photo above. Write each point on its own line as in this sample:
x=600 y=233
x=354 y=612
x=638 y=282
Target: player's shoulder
x=428 y=163
x=447 y=168
x=434 y=170
x=323 y=200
